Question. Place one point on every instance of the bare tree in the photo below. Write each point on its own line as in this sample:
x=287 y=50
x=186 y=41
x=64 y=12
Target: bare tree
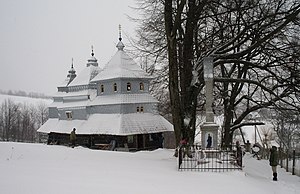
x=286 y=124
x=252 y=42
x=19 y=122
x=254 y=62
x=41 y=113
x=8 y=118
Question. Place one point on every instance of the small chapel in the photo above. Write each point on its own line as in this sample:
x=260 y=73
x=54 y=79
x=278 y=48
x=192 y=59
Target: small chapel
x=110 y=108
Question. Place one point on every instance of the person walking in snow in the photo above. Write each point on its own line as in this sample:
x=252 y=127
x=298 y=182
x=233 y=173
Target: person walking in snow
x=73 y=138
x=274 y=161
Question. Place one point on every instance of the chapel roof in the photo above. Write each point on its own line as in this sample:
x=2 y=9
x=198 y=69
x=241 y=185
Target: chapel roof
x=71 y=75
x=110 y=124
x=88 y=73
x=121 y=65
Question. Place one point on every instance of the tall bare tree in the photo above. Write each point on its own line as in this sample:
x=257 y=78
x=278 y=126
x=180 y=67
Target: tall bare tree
x=255 y=50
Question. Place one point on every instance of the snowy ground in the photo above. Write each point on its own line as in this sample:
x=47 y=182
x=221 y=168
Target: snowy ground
x=43 y=169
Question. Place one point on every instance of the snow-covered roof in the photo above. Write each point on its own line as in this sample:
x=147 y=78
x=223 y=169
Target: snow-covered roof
x=92 y=61
x=110 y=124
x=85 y=76
x=121 y=65
x=71 y=104
x=76 y=99
x=68 y=94
x=64 y=83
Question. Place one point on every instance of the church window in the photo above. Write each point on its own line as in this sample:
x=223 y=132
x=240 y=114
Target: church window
x=115 y=87
x=102 y=88
x=128 y=86
x=69 y=115
x=142 y=86
x=139 y=109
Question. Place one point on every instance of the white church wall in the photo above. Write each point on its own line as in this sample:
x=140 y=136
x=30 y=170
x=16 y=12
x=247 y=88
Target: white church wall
x=122 y=86
x=53 y=113
x=76 y=113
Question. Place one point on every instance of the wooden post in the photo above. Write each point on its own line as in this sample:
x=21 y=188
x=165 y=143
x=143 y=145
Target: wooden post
x=294 y=161
x=287 y=160
x=281 y=154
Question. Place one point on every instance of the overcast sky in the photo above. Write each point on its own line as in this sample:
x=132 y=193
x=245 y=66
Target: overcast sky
x=39 y=38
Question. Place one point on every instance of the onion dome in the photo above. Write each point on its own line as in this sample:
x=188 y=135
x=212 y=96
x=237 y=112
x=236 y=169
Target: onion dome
x=92 y=60
x=72 y=73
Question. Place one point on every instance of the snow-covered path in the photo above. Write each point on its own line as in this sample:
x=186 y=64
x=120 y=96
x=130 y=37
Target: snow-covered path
x=260 y=171
x=43 y=169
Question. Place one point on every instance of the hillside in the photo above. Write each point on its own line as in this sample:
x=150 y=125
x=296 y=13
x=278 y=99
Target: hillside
x=27 y=100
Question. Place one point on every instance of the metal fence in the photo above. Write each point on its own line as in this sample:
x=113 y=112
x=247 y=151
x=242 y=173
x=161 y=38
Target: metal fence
x=290 y=160
x=194 y=158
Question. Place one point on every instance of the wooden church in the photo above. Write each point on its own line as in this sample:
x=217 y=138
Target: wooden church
x=110 y=108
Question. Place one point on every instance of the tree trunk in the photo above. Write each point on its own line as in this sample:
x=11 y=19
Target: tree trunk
x=173 y=71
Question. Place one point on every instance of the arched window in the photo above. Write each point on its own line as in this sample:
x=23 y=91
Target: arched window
x=142 y=86
x=128 y=86
x=115 y=87
x=101 y=88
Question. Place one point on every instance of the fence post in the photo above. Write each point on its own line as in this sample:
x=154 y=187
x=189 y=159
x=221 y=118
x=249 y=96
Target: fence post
x=287 y=160
x=179 y=157
x=294 y=161
x=280 y=156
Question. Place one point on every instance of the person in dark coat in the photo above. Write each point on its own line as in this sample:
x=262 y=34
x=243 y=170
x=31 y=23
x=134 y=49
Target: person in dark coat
x=248 y=146
x=239 y=153
x=184 y=145
x=73 y=138
x=274 y=161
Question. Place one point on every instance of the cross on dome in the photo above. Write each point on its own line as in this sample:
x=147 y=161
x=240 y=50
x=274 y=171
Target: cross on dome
x=120 y=35
x=120 y=44
x=92 y=51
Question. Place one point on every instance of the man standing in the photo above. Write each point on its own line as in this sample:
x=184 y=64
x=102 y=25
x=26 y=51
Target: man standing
x=274 y=161
x=73 y=138
x=248 y=146
x=239 y=153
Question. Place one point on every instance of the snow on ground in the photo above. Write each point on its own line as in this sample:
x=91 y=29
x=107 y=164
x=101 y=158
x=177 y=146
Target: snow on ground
x=43 y=169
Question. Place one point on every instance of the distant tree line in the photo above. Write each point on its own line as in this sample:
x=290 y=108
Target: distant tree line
x=19 y=122
x=23 y=93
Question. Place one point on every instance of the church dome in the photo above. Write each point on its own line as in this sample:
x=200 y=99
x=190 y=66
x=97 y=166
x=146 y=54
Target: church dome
x=121 y=65
x=92 y=60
